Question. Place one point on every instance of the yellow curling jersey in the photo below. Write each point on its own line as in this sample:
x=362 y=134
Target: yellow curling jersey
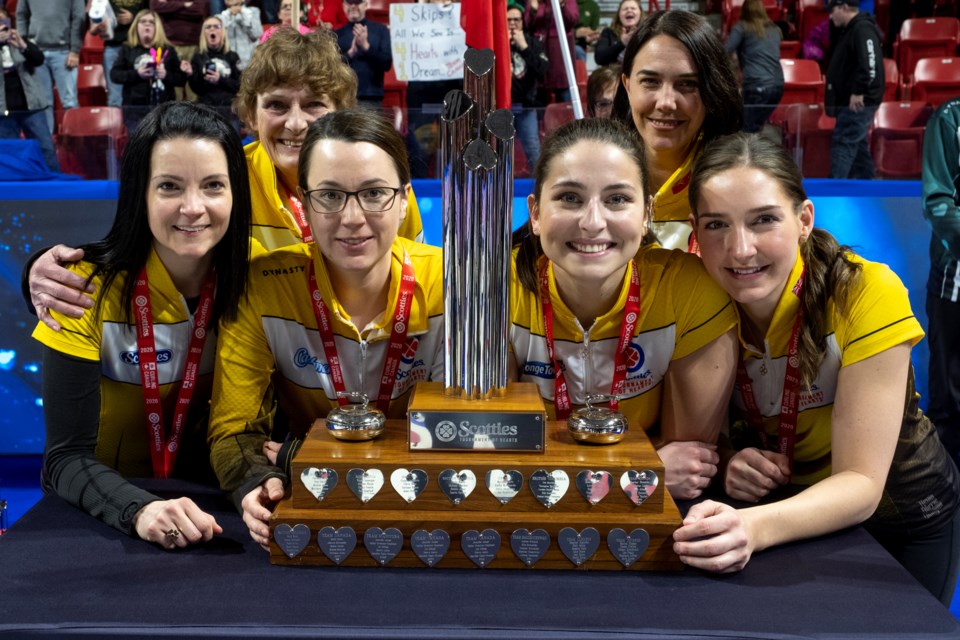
x=922 y=485
x=671 y=206
x=274 y=225
x=122 y=440
x=681 y=310
x=273 y=352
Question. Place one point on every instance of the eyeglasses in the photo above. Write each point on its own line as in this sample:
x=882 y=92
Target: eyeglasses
x=332 y=201
x=603 y=104
x=213 y=26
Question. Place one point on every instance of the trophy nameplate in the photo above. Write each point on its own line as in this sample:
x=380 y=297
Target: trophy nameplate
x=438 y=422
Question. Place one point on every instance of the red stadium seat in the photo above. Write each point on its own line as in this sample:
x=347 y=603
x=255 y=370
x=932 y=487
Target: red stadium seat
x=91 y=86
x=379 y=11
x=802 y=82
x=807 y=133
x=810 y=13
x=91 y=141
x=925 y=38
x=91 y=52
x=556 y=115
x=891 y=76
x=730 y=9
x=896 y=141
x=789 y=49
x=395 y=99
x=580 y=72
x=936 y=80
x=521 y=168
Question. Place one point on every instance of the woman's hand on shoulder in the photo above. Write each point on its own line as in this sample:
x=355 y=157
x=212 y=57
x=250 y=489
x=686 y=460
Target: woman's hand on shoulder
x=689 y=467
x=714 y=537
x=174 y=523
x=752 y=474
x=54 y=287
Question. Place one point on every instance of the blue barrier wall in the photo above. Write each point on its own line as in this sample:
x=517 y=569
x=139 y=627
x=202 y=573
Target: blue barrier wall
x=882 y=220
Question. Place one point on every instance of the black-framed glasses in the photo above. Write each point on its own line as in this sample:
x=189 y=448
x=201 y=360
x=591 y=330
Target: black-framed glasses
x=332 y=201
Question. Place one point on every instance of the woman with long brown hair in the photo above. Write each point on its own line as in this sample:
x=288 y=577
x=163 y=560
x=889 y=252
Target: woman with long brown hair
x=755 y=40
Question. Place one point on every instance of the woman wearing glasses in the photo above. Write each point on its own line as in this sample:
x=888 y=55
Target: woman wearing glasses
x=327 y=317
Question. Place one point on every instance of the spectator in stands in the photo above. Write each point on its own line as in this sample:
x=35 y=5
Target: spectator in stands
x=588 y=27
x=613 y=39
x=182 y=21
x=601 y=89
x=816 y=45
x=529 y=65
x=855 y=85
x=216 y=73
x=539 y=20
x=22 y=101
x=366 y=44
x=680 y=92
x=148 y=68
x=941 y=208
x=755 y=40
x=114 y=36
x=56 y=26
x=325 y=14
x=286 y=20
x=243 y=29
x=177 y=248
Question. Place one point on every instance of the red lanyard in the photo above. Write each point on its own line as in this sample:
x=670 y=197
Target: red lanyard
x=300 y=217
x=164 y=453
x=787 y=430
x=398 y=336
x=631 y=313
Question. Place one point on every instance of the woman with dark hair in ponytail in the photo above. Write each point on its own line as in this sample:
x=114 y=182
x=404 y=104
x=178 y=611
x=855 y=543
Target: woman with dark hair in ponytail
x=825 y=386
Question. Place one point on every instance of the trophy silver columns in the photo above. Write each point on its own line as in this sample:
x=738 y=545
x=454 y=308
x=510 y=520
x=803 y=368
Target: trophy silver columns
x=477 y=178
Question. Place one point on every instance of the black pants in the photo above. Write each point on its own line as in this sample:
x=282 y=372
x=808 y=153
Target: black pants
x=943 y=333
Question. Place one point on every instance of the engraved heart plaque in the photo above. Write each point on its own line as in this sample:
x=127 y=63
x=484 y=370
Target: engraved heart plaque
x=319 y=482
x=337 y=544
x=457 y=486
x=639 y=485
x=594 y=485
x=504 y=485
x=549 y=486
x=628 y=548
x=578 y=547
x=383 y=546
x=365 y=483
x=408 y=483
x=430 y=546
x=480 y=547
x=292 y=540
x=529 y=546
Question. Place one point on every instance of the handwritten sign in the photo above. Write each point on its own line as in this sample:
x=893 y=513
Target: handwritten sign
x=428 y=42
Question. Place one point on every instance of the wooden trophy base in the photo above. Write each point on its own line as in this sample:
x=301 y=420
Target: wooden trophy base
x=423 y=494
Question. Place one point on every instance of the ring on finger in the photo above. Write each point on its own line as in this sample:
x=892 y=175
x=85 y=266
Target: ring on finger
x=173 y=533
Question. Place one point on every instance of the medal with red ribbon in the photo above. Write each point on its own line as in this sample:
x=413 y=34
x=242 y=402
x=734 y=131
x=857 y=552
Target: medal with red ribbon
x=163 y=450
x=790 y=400
x=631 y=315
x=300 y=217
x=398 y=336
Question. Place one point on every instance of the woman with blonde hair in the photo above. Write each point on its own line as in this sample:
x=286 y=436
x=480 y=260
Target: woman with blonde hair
x=613 y=39
x=216 y=69
x=148 y=68
x=755 y=41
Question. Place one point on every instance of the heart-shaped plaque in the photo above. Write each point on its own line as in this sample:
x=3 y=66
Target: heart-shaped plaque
x=480 y=547
x=408 y=483
x=594 y=485
x=337 y=544
x=578 y=546
x=430 y=546
x=292 y=540
x=383 y=546
x=457 y=486
x=639 y=485
x=365 y=483
x=319 y=482
x=504 y=485
x=549 y=486
x=627 y=548
x=529 y=546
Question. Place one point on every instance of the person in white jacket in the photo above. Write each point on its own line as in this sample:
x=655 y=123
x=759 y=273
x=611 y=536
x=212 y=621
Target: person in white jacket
x=243 y=29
